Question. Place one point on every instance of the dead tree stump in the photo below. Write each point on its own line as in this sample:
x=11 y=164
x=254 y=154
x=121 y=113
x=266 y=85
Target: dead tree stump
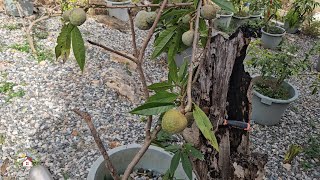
x=223 y=89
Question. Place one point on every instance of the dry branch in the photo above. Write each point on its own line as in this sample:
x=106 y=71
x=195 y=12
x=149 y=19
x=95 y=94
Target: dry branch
x=133 y=35
x=108 y=163
x=114 y=51
x=194 y=52
x=135 y=5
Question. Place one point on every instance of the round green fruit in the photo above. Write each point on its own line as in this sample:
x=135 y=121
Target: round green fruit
x=141 y=20
x=151 y=17
x=66 y=15
x=77 y=16
x=209 y=11
x=187 y=37
x=174 y=122
x=186 y=19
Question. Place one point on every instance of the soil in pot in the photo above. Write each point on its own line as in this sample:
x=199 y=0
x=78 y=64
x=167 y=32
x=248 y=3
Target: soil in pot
x=273 y=30
x=270 y=88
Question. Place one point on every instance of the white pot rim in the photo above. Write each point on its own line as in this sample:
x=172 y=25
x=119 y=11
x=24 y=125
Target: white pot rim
x=118 y=3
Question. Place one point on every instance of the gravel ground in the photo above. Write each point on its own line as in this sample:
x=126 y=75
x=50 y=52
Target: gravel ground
x=42 y=122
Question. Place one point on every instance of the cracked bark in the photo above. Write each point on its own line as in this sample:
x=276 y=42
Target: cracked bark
x=223 y=89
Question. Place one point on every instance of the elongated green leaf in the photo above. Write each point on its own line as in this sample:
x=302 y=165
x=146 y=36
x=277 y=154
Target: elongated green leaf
x=163 y=96
x=183 y=71
x=163 y=42
x=173 y=50
x=175 y=162
x=193 y=152
x=78 y=48
x=205 y=126
x=153 y=108
x=64 y=42
x=175 y=13
x=186 y=164
x=162 y=86
x=172 y=148
x=224 y=4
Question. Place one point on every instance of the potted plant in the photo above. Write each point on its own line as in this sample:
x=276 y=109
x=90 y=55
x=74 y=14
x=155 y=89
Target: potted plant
x=256 y=9
x=169 y=108
x=271 y=34
x=298 y=13
x=119 y=13
x=223 y=18
x=242 y=12
x=271 y=92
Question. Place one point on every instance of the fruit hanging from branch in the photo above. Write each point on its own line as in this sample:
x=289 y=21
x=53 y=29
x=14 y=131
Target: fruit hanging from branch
x=77 y=16
x=174 y=121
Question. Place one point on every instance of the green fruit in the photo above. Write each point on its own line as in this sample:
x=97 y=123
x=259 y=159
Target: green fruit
x=151 y=17
x=209 y=11
x=187 y=37
x=66 y=15
x=77 y=16
x=186 y=19
x=173 y=121
x=141 y=20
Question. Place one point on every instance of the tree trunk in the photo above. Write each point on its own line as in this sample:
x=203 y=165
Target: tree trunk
x=223 y=90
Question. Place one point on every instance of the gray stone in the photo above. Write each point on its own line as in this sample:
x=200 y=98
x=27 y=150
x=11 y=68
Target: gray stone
x=39 y=173
x=11 y=8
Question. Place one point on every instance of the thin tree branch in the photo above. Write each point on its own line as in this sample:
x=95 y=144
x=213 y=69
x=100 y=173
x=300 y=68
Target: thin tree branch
x=133 y=34
x=108 y=163
x=114 y=51
x=141 y=152
x=194 y=52
x=135 y=5
x=204 y=52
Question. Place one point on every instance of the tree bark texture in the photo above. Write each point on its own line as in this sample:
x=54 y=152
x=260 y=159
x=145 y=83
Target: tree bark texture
x=223 y=90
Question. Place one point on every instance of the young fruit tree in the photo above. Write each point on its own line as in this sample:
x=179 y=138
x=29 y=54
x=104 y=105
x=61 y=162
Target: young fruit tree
x=206 y=100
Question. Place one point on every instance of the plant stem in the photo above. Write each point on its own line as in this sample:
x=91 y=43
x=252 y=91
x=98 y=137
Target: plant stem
x=134 y=5
x=194 y=51
x=108 y=163
x=114 y=51
x=133 y=35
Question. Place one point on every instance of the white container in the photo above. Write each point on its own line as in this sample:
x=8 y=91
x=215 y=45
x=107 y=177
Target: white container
x=119 y=13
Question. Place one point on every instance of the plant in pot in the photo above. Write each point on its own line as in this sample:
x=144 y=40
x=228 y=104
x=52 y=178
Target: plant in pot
x=256 y=9
x=272 y=93
x=242 y=12
x=223 y=18
x=298 y=13
x=271 y=34
x=119 y=13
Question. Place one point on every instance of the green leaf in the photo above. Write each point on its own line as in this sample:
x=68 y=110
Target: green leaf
x=172 y=75
x=194 y=152
x=163 y=39
x=183 y=71
x=205 y=126
x=152 y=108
x=78 y=48
x=162 y=86
x=64 y=42
x=163 y=96
x=226 y=5
x=186 y=164
x=175 y=162
x=195 y=3
x=172 y=148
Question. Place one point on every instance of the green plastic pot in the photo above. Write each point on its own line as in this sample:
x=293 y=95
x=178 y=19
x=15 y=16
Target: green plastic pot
x=223 y=20
x=238 y=20
x=155 y=159
x=268 y=111
x=271 y=41
x=119 y=13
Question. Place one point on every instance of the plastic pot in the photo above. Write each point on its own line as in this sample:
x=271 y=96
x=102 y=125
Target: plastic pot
x=155 y=159
x=119 y=13
x=291 y=30
x=183 y=56
x=318 y=64
x=238 y=20
x=223 y=20
x=268 y=111
x=271 y=41
x=255 y=16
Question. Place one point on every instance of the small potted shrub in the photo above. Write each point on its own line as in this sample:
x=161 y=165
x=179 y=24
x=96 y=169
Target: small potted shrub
x=271 y=34
x=119 y=13
x=298 y=13
x=271 y=93
x=242 y=12
x=255 y=9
